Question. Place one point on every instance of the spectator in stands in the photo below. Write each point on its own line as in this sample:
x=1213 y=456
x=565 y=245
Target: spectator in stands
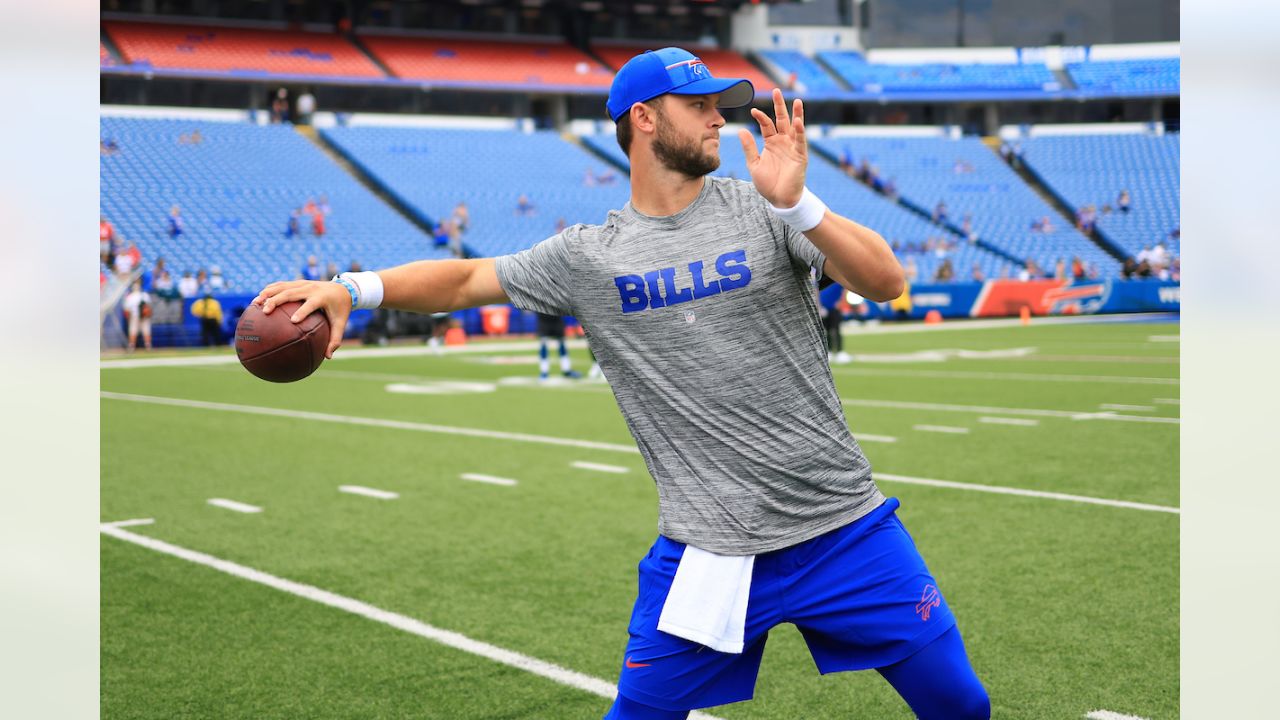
x=209 y=311
x=945 y=272
x=589 y=178
x=441 y=234
x=306 y=107
x=192 y=138
x=1060 y=269
x=174 y=222
x=962 y=166
x=462 y=216
x=846 y=161
x=1087 y=218
x=323 y=206
x=106 y=236
x=1159 y=257
x=163 y=285
x=864 y=170
x=966 y=227
x=280 y=106
x=108 y=146
x=187 y=286
x=524 y=206
x=607 y=177
x=911 y=271
x=311 y=271
x=1175 y=270
x=128 y=260
x=1144 y=255
x=560 y=225
x=1030 y=271
x=455 y=239
x=292 y=229
x=355 y=266
x=317 y=223
x=976 y=274
x=1122 y=202
x=1129 y=268
x=940 y=212
x=331 y=269
x=890 y=189
x=1077 y=269
x=202 y=282
x=1093 y=273
x=137 y=307
x=217 y=283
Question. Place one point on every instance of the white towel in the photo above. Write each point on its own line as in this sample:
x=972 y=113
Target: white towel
x=707 y=602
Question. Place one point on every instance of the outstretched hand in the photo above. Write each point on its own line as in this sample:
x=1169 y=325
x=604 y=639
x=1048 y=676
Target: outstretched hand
x=330 y=298
x=778 y=171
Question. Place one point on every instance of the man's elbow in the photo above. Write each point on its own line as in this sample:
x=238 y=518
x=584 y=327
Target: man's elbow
x=889 y=286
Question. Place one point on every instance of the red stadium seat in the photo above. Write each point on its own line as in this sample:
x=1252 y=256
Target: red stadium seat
x=189 y=47
x=722 y=63
x=481 y=61
x=104 y=56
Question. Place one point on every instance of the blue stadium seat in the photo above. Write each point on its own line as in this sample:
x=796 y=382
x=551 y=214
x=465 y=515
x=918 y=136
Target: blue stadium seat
x=866 y=76
x=1092 y=170
x=1154 y=76
x=236 y=189
x=431 y=170
x=809 y=74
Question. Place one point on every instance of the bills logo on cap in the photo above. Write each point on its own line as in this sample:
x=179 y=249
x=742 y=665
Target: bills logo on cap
x=694 y=68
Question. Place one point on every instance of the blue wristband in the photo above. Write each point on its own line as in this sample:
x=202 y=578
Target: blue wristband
x=351 y=288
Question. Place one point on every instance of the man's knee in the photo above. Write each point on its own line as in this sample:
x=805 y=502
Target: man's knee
x=972 y=704
x=627 y=709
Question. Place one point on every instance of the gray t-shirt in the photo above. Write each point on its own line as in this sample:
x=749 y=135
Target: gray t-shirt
x=705 y=325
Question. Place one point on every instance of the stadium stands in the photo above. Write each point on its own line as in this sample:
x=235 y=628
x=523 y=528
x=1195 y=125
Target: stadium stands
x=971 y=179
x=811 y=78
x=1087 y=170
x=236 y=189
x=239 y=51
x=432 y=170
x=104 y=56
x=482 y=62
x=902 y=228
x=722 y=63
x=865 y=76
x=1157 y=76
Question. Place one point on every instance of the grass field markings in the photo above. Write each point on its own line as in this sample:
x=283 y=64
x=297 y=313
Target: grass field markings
x=347 y=353
x=368 y=492
x=131 y=523
x=1110 y=715
x=233 y=505
x=1132 y=408
x=1027 y=377
x=615 y=469
x=870 y=437
x=1021 y=422
x=457 y=641
x=852 y=327
x=1164 y=338
x=441 y=387
x=490 y=479
x=1166 y=401
x=372 y=422
x=949 y=429
x=1141 y=359
x=990 y=410
x=1003 y=490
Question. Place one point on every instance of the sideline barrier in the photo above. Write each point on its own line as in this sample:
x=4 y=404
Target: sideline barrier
x=1007 y=298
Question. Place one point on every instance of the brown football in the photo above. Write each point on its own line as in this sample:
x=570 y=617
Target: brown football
x=274 y=348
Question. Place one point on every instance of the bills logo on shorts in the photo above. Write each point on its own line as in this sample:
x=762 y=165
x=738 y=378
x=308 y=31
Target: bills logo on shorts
x=929 y=600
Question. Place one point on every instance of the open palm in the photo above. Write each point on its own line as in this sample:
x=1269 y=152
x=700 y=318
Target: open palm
x=778 y=171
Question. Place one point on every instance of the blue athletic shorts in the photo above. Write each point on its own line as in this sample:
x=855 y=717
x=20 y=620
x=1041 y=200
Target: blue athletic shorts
x=861 y=595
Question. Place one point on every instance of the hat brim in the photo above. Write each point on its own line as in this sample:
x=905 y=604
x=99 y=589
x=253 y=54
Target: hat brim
x=733 y=92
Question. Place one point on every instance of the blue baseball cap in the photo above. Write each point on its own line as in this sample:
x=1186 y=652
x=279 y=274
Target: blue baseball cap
x=675 y=71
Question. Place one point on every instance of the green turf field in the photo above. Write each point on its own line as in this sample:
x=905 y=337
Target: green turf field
x=1067 y=607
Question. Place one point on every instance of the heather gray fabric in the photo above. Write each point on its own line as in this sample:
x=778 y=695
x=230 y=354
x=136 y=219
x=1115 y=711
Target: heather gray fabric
x=723 y=378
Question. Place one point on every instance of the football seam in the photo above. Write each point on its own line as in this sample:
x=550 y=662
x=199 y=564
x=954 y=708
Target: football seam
x=302 y=336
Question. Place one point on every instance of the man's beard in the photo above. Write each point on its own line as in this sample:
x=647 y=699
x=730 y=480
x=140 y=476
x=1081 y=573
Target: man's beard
x=686 y=158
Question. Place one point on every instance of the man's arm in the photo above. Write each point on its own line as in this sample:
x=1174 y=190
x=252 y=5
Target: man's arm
x=857 y=257
x=425 y=286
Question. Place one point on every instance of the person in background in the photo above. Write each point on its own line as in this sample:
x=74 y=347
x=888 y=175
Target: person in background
x=292 y=229
x=128 y=260
x=524 y=206
x=441 y=235
x=1123 y=202
x=1060 y=269
x=174 y=222
x=331 y=269
x=187 y=285
x=306 y=107
x=833 y=307
x=192 y=138
x=976 y=273
x=607 y=176
x=202 y=282
x=355 y=266
x=137 y=306
x=311 y=271
x=106 y=239
x=317 y=223
x=461 y=217
x=560 y=224
x=280 y=107
x=217 y=283
x=911 y=270
x=1077 y=269
x=163 y=286
x=551 y=329
x=945 y=272
x=940 y=212
x=209 y=312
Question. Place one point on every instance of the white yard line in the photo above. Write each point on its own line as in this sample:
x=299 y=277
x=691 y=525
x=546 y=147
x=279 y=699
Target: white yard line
x=1134 y=408
x=991 y=410
x=131 y=523
x=1109 y=715
x=490 y=479
x=869 y=437
x=1022 y=422
x=541 y=668
x=942 y=429
x=371 y=422
x=350 y=353
x=368 y=492
x=233 y=505
x=615 y=469
x=851 y=327
x=1167 y=401
x=1027 y=377
x=999 y=490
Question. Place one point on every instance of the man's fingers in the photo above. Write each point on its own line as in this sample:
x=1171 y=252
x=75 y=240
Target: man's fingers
x=309 y=306
x=748 y=147
x=780 y=111
x=766 y=125
x=336 y=329
x=797 y=124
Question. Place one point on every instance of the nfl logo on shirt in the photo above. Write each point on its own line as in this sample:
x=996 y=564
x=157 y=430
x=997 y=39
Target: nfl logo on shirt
x=688 y=316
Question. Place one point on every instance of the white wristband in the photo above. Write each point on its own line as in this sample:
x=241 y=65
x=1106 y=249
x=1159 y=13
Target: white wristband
x=368 y=289
x=806 y=215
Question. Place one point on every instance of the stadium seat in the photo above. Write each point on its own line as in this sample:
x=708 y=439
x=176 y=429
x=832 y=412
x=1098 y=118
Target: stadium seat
x=811 y=78
x=1087 y=170
x=473 y=62
x=239 y=50
x=431 y=170
x=236 y=189
x=864 y=76
x=1153 y=76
